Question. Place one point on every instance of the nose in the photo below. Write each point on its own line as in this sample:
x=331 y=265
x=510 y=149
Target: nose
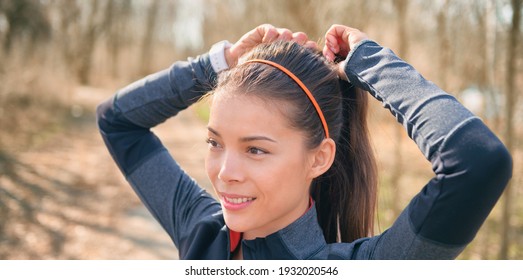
x=231 y=169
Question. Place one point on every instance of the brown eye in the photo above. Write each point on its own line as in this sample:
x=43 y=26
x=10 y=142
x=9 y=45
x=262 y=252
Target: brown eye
x=212 y=143
x=256 y=151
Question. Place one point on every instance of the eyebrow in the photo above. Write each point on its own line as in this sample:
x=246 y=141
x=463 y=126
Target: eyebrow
x=213 y=131
x=247 y=138
x=256 y=138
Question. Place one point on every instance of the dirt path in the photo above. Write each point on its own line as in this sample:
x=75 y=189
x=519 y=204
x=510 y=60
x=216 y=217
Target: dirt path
x=67 y=199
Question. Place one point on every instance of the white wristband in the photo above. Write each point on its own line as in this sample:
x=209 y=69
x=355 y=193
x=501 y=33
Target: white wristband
x=217 y=56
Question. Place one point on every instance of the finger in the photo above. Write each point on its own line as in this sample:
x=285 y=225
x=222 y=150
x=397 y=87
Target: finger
x=345 y=37
x=340 y=31
x=331 y=41
x=270 y=36
x=300 y=38
x=285 y=34
x=264 y=32
x=333 y=33
x=329 y=55
x=268 y=33
x=264 y=28
x=311 y=45
x=339 y=35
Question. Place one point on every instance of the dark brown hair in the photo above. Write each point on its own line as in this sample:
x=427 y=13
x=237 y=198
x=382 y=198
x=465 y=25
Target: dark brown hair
x=345 y=195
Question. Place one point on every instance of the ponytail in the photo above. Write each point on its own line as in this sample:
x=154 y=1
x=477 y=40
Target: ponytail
x=346 y=194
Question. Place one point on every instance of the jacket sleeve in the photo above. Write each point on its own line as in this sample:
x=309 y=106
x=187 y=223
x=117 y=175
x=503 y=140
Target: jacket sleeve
x=471 y=165
x=124 y=120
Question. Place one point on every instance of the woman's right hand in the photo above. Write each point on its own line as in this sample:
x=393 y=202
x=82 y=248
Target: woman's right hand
x=264 y=33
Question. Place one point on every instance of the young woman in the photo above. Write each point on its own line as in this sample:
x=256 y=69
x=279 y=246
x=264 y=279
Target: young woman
x=289 y=156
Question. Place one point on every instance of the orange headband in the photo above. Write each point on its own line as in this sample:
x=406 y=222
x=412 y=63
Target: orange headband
x=303 y=87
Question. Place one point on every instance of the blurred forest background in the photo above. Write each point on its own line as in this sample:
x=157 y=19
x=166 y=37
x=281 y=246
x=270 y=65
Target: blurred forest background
x=62 y=197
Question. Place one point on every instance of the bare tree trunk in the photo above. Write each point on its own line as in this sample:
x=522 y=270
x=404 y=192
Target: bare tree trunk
x=490 y=42
x=113 y=38
x=116 y=22
x=401 y=9
x=491 y=60
x=146 y=55
x=88 y=45
x=69 y=14
x=24 y=17
x=444 y=45
x=510 y=103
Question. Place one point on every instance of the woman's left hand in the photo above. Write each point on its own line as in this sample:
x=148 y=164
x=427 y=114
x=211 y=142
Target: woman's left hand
x=339 y=41
x=264 y=33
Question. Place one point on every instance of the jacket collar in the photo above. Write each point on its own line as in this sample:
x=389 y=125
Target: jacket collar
x=302 y=239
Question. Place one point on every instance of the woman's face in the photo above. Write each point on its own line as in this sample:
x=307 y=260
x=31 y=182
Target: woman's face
x=259 y=166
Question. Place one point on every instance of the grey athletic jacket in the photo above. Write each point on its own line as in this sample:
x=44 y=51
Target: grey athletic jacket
x=471 y=166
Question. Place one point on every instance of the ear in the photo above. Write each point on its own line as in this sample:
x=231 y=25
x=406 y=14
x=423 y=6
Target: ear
x=322 y=158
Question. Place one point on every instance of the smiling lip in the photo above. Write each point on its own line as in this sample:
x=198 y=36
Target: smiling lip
x=235 y=202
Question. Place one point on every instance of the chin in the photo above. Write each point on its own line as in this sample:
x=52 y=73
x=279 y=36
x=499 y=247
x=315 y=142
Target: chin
x=236 y=223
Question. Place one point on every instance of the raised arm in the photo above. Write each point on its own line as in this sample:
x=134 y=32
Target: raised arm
x=173 y=198
x=125 y=121
x=471 y=165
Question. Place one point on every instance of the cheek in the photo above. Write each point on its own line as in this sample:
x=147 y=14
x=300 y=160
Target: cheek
x=282 y=173
x=212 y=166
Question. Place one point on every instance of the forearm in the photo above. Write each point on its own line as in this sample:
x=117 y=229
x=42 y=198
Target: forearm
x=470 y=163
x=173 y=198
x=157 y=97
x=427 y=112
x=124 y=120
